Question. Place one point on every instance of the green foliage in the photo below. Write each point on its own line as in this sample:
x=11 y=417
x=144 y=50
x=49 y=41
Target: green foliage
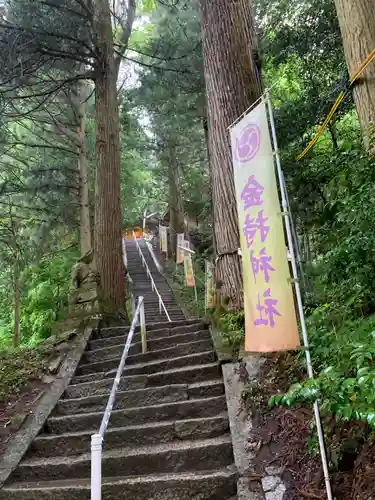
x=140 y=189
x=18 y=367
x=303 y=61
x=44 y=298
x=331 y=194
x=344 y=358
x=194 y=303
x=338 y=213
x=47 y=297
x=171 y=95
x=231 y=328
x=146 y=5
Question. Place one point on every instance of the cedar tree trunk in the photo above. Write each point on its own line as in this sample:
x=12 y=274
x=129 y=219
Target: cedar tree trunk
x=357 y=24
x=232 y=85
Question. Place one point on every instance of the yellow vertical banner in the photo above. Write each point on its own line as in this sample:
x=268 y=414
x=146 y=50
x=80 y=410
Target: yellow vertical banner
x=179 y=250
x=189 y=271
x=270 y=318
x=210 y=296
x=163 y=239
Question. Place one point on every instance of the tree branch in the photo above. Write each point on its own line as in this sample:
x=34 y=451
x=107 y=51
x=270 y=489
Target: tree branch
x=127 y=27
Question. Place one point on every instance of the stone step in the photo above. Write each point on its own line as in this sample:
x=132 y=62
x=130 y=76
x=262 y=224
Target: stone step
x=157 y=278
x=96 y=369
x=154 y=306
x=154 y=301
x=167 y=299
x=75 y=443
x=168 y=296
x=151 y=316
x=140 y=290
x=143 y=280
x=182 y=325
x=173 y=317
x=163 y=332
x=137 y=397
x=168 y=305
x=124 y=399
x=193 y=408
x=173 y=351
x=140 y=277
x=184 y=375
x=153 y=310
x=152 y=345
x=207 y=485
x=175 y=456
x=176 y=316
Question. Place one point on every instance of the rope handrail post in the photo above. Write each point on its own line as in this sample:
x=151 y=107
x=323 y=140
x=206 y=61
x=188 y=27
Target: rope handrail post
x=97 y=438
x=142 y=318
x=96 y=466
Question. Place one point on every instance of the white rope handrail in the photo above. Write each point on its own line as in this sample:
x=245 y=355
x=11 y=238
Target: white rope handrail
x=97 y=439
x=153 y=286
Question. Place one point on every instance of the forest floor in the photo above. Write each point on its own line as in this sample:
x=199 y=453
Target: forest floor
x=287 y=439
x=23 y=379
x=25 y=374
x=16 y=409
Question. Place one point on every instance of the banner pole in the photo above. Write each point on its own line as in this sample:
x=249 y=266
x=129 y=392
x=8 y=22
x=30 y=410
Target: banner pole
x=298 y=294
x=205 y=286
x=295 y=239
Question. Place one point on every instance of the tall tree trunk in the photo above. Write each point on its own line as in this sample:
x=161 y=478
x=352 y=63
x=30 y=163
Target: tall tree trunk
x=16 y=293
x=207 y=141
x=206 y=137
x=108 y=243
x=176 y=214
x=85 y=230
x=332 y=131
x=17 y=312
x=357 y=24
x=232 y=85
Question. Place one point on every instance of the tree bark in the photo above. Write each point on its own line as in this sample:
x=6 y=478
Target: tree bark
x=16 y=293
x=17 y=314
x=176 y=214
x=232 y=85
x=332 y=131
x=108 y=234
x=85 y=229
x=357 y=24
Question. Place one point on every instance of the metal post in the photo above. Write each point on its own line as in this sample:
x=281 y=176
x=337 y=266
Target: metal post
x=96 y=467
x=143 y=325
x=133 y=305
x=298 y=296
x=295 y=239
x=125 y=257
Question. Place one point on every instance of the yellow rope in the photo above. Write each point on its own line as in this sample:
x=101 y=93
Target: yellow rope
x=338 y=101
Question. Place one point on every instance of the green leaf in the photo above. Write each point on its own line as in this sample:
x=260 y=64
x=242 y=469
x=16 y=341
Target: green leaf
x=363 y=371
x=146 y=6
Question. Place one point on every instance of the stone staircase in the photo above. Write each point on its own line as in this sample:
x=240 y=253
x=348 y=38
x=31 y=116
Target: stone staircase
x=168 y=436
x=142 y=284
